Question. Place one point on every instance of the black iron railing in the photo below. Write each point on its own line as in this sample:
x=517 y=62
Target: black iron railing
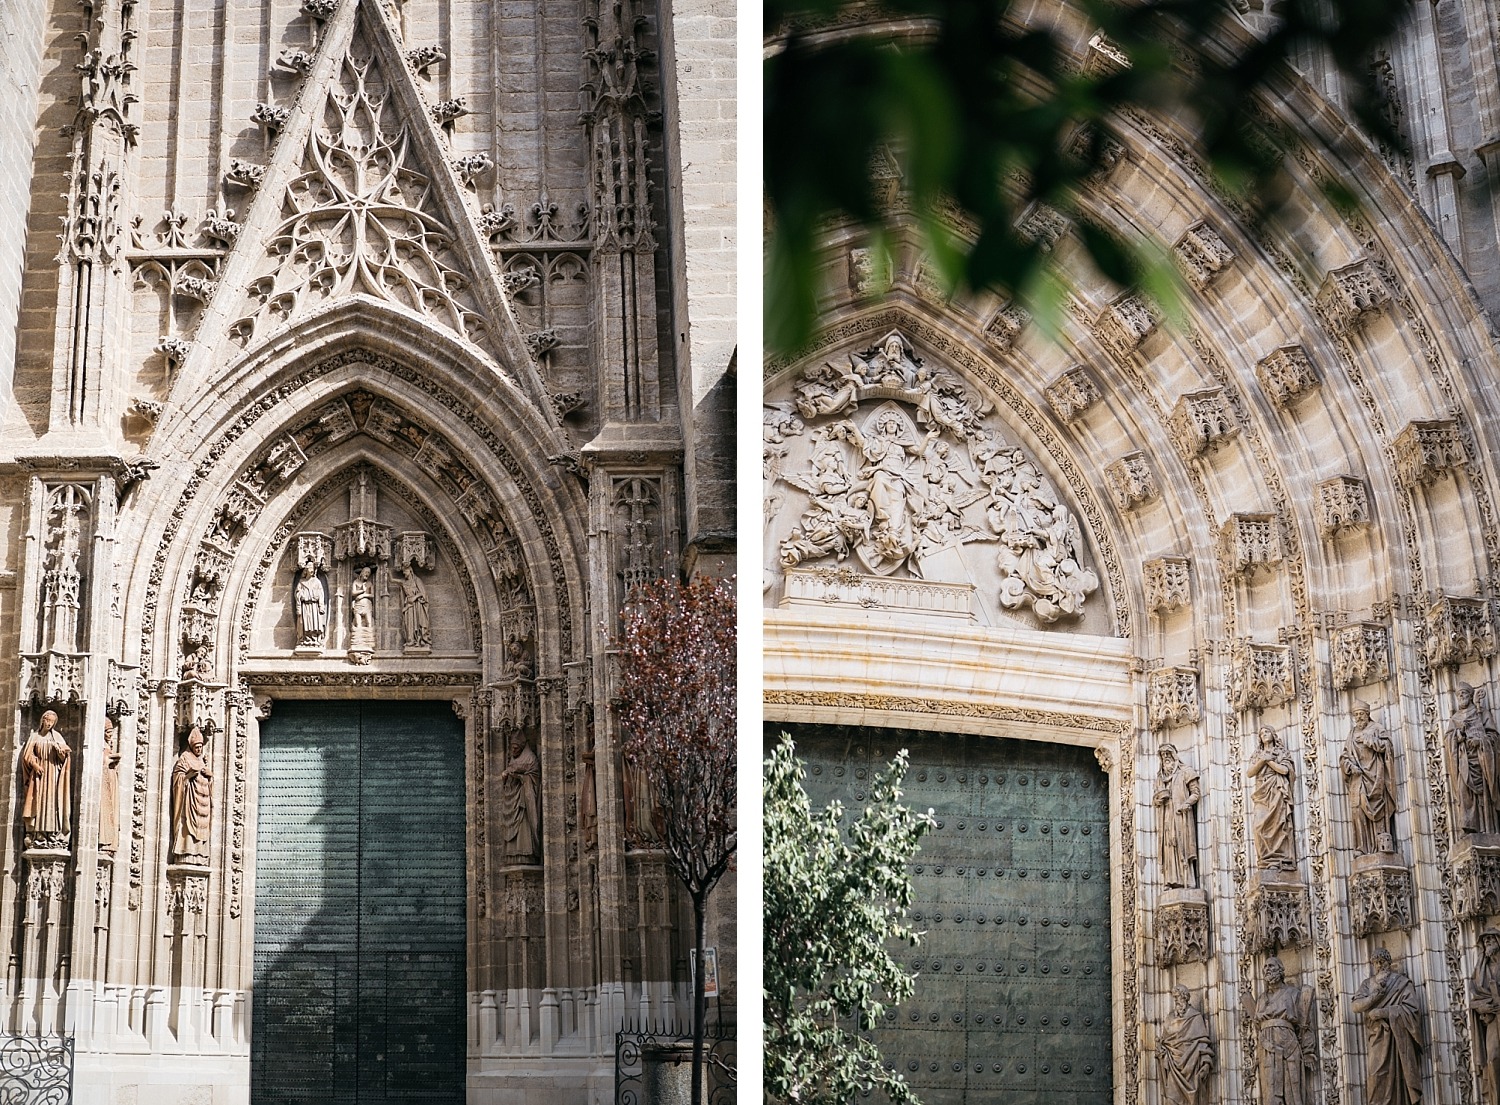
x=36 y=1070
x=654 y=1065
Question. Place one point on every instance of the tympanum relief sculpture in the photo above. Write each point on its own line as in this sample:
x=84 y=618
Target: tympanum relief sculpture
x=889 y=466
x=1391 y=1009
x=47 y=781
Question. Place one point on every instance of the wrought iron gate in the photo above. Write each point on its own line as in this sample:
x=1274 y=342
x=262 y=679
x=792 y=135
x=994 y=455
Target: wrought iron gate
x=36 y=1070
x=359 y=906
x=654 y=1065
x=1012 y=999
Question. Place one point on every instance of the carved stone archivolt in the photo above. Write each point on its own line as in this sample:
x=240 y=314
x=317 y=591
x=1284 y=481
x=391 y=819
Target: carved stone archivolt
x=903 y=474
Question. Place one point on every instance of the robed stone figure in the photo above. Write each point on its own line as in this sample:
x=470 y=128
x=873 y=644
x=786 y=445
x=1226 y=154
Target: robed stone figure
x=312 y=608
x=1474 y=760
x=1177 y=793
x=521 y=804
x=1272 y=770
x=1284 y=1040
x=1368 y=765
x=1393 y=1034
x=1484 y=1000
x=46 y=771
x=416 y=629
x=192 y=802
x=1184 y=1052
x=109 y=792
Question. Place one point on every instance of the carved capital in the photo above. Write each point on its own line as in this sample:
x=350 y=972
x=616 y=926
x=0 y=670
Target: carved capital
x=1202 y=422
x=1427 y=451
x=1458 y=630
x=1005 y=327
x=1343 y=505
x=1202 y=255
x=1380 y=894
x=1250 y=544
x=1361 y=654
x=1351 y=294
x=1127 y=322
x=1172 y=697
x=1072 y=393
x=1043 y=225
x=1168 y=584
x=1260 y=676
x=1279 y=915
x=1131 y=481
x=1181 y=927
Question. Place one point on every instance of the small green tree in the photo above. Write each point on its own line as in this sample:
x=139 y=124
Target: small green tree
x=835 y=902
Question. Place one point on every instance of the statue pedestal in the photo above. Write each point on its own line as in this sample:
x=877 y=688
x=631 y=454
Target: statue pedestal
x=1380 y=893
x=1181 y=927
x=187 y=905
x=1475 y=860
x=1280 y=913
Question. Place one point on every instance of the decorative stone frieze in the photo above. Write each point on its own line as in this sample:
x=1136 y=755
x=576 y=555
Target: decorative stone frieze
x=1380 y=894
x=1202 y=422
x=1459 y=630
x=1172 y=697
x=846 y=587
x=1351 y=294
x=1005 y=327
x=1287 y=374
x=1181 y=927
x=1475 y=862
x=1279 y=914
x=1260 y=676
x=1426 y=451
x=1127 y=322
x=1343 y=505
x=1131 y=481
x=1168 y=584
x=1072 y=393
x=1250 y=544
x=1202 y=255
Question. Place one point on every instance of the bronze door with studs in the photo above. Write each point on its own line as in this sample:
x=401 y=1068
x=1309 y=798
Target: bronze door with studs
x=359 y=906
x=1012 y=998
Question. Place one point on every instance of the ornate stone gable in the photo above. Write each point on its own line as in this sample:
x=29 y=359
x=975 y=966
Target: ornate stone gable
x=891 y=465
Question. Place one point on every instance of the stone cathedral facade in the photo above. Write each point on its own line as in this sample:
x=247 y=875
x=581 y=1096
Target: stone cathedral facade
x=1190 y=627
x=358 y=356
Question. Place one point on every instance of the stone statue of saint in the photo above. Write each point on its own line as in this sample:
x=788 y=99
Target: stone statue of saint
x=362 y=612
x=192 y=802
x=1184 y=1051
x=416 y=630
x=1368 y=764
x=1272 y=769
x=1393 y=1034
x=312 y=608
x=641 y=812
x=588 y=803
x=47 y=774
x=109 y=792
x=1475 y=763
x=1284 y=1041
x=1177 y=793
x=521 y=803
x=1484 y=1000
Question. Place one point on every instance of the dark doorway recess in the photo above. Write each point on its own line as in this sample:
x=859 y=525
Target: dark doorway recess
x=1012 y=999
x=359 y=906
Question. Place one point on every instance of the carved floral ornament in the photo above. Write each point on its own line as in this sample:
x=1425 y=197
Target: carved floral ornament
x=898 y=470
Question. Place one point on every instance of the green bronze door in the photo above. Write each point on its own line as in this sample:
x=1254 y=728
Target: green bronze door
x=1012 y=999
x=359 y=906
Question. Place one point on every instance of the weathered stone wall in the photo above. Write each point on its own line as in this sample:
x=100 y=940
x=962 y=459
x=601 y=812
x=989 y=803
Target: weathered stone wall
x=21 y=41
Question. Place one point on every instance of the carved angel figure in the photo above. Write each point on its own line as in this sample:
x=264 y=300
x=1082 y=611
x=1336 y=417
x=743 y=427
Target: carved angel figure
x=1284 y=1038
x=1272 y=769
x=1368 y=765
x=192 y=802
x=826 y=390
x=47 y=807
x=1184 y=1051
x=832 y=522
x=1474 y=760
x=521 y=803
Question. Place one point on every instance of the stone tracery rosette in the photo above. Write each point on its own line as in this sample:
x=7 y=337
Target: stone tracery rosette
x=900 y=472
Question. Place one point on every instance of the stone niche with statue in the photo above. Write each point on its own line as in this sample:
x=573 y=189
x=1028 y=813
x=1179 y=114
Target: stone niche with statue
x=892 y=484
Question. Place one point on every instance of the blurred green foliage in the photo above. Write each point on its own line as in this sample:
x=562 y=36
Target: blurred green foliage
x=988 y=115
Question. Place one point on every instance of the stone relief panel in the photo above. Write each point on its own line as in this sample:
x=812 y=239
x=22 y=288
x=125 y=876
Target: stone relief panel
x=891 y=467
x=363 y=578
